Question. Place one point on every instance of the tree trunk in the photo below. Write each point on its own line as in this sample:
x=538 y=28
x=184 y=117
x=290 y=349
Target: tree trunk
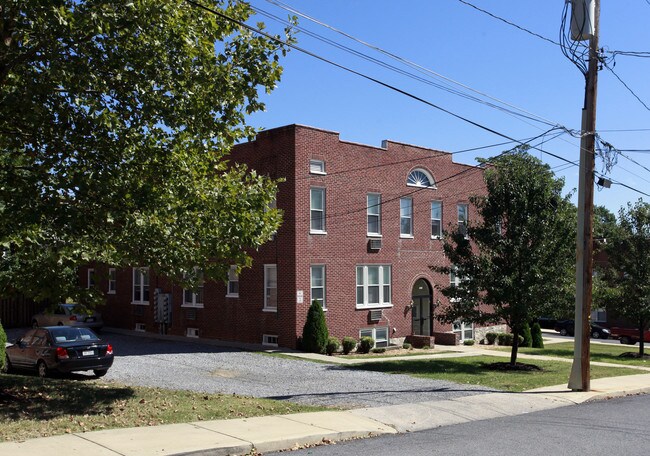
x=515 y=347
x=641 y=327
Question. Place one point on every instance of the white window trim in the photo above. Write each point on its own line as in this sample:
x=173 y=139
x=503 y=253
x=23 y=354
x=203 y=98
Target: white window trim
x=324 y=287
x=378 y=215
x=194 y=304
x=267 y=267
x=267 y=337
x=192 y=332
x=439 y=236
x=232 y=272
x=374 y=334
x=427 y=174
x=463 y=221
x=91 y=276
x=112 y=281
x=321 y=163
x=142 y=272
x=324 y=211
x=381 y=304
x=405 y=235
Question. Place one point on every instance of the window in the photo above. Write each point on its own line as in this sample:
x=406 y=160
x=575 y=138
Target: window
x=316 y=166
x=406 y=217
x=192 y=332
x=91 y=278
x=373 y=286
x=233 y=282
x=270 y=340
x=270 y=288
x=374 y=214
x=112 y=281
x=462 y=219
x=318 y=285
x=194 y=298
x=436 y=219
x=464 y=329
x=420 y=178
x=140 y=286
x=379 y=334
x=317 y=208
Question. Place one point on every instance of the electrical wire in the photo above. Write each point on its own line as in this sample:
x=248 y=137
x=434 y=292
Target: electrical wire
x=627 y=87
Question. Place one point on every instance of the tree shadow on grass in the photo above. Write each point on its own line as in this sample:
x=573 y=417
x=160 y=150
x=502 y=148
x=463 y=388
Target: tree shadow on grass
x=425 y=367
x=43 y=399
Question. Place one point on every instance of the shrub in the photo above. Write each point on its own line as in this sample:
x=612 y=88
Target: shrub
x=349 y=344
x=406 y=346
x=332 y=346
x=3 y=341
x=491 y=337
x=468 y=342
x=366 y=344
x=315 y=333
x=426 y=347
x=503 y=339
x=527 y=336
x=536 y=333
x=379 y=350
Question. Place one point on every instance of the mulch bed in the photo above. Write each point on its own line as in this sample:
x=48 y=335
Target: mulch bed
x=520 y=367
x=634 y=355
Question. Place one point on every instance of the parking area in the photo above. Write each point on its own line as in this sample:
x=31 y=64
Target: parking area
x=147 y=361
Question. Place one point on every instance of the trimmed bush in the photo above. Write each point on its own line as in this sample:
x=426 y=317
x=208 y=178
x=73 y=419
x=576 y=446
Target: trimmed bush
x=3 y=341
x=332 y=346
x=406 y=346
x=528 y=338
x=504 y=339
x=315 y=333
x=366 y=344
x=468 y=342
x=536 y=333
x=379 y=350
x=349 y=344
x=491 y=337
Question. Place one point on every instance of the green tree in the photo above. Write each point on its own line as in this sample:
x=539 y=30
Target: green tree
x=536 y=334
x=315 y=333
x=604 y=223
x=118 y=118
x=516 y=261
x=527 y=335
x=624 y=282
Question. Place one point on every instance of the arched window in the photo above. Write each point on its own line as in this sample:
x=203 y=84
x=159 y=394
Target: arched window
x=420 y=178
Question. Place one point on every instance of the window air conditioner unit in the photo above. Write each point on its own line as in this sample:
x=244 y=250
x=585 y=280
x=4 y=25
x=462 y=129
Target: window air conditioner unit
x=374 y=244
x=375 y=315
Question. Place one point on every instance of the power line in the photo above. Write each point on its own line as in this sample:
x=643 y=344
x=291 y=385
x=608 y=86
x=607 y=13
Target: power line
x=376 y=81
x=627 y=87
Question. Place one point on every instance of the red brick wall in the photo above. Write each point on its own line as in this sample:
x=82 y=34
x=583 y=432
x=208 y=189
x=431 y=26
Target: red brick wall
x=352 y=171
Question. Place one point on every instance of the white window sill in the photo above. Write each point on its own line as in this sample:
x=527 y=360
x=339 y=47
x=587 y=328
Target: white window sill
x=406 y=236
x=110 y=292
x=268 y=309
x=140 y=303
x=373 y=306
x=232 y=295
x=192 y=306
x=317 y=232
x=374 y=235
x=318 y=173
x=436 y=237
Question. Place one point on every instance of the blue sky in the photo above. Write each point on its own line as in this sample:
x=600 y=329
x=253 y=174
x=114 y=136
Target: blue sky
x=486 y=55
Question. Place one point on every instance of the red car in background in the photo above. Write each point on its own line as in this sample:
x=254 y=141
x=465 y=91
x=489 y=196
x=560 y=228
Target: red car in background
x=629 y=336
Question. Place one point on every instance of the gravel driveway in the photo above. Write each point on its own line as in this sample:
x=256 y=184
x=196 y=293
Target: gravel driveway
x=207 y=368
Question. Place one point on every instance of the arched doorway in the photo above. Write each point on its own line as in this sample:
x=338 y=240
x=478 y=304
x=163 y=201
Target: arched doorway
x=422 y=310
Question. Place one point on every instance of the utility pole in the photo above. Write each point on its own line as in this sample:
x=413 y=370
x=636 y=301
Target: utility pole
x=580 y=371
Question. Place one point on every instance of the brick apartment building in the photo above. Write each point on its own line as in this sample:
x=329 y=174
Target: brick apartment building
x=362 y=226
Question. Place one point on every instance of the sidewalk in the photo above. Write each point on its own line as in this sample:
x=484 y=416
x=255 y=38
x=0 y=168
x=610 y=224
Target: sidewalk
x=273 y=433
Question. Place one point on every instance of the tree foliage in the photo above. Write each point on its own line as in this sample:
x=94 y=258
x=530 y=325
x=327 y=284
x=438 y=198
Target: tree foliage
x=118 y=117
x=315 y=333
x=516 y=262
x=624 y=282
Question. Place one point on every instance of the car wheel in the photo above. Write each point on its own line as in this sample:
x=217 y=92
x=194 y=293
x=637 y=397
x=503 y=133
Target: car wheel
x=60 y=323
x=100 y=372
x=34 y=324
x=596 y=334
x=563 y=332
x=42 y=369
x=626 y=340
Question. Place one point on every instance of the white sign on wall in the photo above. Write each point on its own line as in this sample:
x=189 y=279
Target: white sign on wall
x=299 y=297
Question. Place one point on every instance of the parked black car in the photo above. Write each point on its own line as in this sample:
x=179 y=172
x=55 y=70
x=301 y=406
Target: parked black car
x=60 y=349
x=567 y=328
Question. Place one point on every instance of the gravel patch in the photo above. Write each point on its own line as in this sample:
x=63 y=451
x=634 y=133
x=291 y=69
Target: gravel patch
x=146 y=361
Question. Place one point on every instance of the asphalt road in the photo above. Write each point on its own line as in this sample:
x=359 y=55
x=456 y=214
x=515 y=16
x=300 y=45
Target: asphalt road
x=607 y=428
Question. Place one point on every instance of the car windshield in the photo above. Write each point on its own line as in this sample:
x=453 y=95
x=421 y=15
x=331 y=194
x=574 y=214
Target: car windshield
x=63 y=334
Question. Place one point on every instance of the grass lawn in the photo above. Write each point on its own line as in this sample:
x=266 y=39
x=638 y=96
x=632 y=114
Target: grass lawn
x=604 y=353
x=475 y=370
x=32 y=407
